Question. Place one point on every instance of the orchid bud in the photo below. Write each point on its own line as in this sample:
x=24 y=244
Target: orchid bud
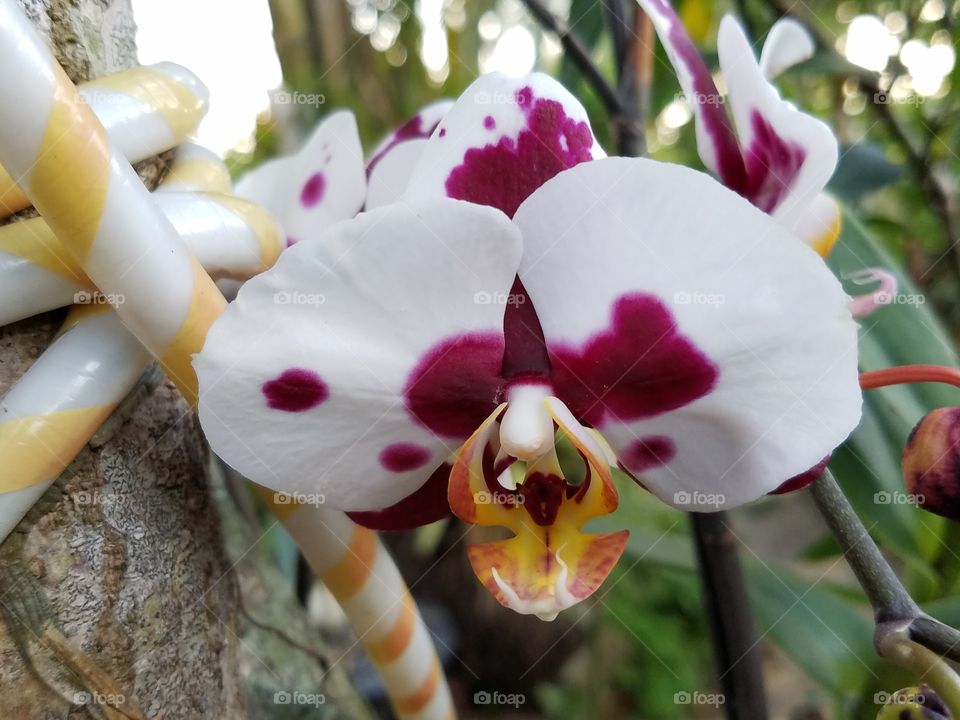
x=912 y=703
x=931 y=463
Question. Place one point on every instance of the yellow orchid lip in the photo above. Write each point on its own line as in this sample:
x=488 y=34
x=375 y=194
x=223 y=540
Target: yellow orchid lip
x=550 y=564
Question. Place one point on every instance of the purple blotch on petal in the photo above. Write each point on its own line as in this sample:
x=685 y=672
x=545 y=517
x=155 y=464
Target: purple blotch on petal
x=404 y=457
x=504 y=174
x=295 y=390
x=641 y=365
x=313 y=189
x=772 y=164
x=649 y=452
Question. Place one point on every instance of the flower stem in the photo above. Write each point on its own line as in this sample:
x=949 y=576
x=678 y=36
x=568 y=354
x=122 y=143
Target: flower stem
x=883 y=588
x=736 y=649
x=894 y=643
x=909 y=374
x=889 y=598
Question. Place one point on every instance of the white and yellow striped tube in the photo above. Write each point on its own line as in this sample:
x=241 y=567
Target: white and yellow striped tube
x=53 y=410
x=195 y=168
x=97 y=207
x=145 y=111
x=359 y=572
x=231 y=238
x=95 y=203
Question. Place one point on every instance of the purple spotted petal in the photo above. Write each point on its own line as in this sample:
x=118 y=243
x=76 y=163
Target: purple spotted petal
x=716 y=139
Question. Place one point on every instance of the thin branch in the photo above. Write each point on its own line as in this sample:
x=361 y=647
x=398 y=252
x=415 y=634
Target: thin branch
x=894 y=643
x=580 y=54
x=736 y=649
x=634 y=74
x=616 y=12
x=889 y=598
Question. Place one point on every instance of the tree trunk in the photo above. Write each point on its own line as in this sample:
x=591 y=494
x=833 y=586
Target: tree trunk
x=118 y=597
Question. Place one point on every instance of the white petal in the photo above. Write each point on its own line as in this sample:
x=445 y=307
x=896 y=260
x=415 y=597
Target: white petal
x=390 y=177
x=419 y=127
x=788 y=43
x=819 y=224
x=789 y=155
x=391 y=164
x=732 y=361
x=333 y=335
x=323 y=183
x=502 y=139
x=716 y=142
x=268 y=186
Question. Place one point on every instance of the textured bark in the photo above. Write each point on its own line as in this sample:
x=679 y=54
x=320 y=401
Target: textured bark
x=117 y=596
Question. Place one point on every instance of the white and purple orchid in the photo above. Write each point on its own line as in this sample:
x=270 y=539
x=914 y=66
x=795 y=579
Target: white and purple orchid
x=328 y=180
x=530 y=294
x=776 y=156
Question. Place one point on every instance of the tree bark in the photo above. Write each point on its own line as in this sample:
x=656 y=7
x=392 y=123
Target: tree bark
x=118 y=597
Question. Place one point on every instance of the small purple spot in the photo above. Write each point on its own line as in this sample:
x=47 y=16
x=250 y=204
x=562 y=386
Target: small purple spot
x=649 y=452
x=295 y=390
x=403 y=457
x=489 y=123
x=291 y=241
x=313 y=189
x=443 y=132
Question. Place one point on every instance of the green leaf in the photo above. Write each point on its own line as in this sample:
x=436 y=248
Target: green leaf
x=863 y=168
x=827 y=636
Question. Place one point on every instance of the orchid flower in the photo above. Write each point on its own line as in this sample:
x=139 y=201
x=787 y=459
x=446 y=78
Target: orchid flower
x=531 y=301
x=327 y=180
x=778 y=157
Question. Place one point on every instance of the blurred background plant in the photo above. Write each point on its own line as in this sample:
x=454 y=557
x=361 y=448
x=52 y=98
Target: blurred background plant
x=884 y=78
